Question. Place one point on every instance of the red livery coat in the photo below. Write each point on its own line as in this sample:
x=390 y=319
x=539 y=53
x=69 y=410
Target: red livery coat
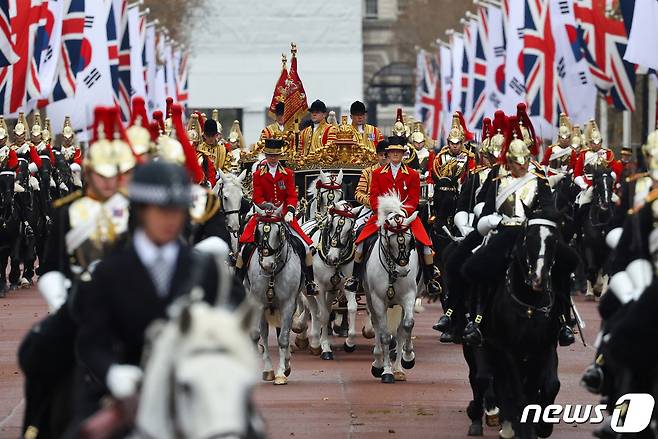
x=279 y=190
x=407 y=184
x=579 y=169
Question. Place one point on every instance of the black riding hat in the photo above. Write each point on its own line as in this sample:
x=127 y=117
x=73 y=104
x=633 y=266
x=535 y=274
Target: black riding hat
x=318 y=105
x=210 y=128
x=161 y=183
x=357 y=108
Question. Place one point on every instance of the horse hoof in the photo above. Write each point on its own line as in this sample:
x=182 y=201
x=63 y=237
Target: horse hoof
x=408 y=364
x=367 y=334
x=348 y=348
x=492 y=418
x=399 y=376
x=268 y=375
x=377 y=371
x=287 y=372
x=544 y=429
x=315 y=351
x=280 y=380
x=388 y=378
x=301 y=343
x=475 y=429
x=327 y=356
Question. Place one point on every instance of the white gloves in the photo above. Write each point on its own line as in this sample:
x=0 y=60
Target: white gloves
x=613 y=237
x=52 y=182
x=462 y=221
x=554 y=179
x=289 y=217
x=63 y=186
x=580 y=181
x=18 y=187
x=123 y=379
x=32 y=167
x=488 y=223
x=629 y=284
x=477 y=210
x=75 y=167
x=52 y=287
x=34 y=183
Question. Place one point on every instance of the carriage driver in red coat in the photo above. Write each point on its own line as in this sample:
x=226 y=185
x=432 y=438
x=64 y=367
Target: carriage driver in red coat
x=400 y=178
x=276 y=185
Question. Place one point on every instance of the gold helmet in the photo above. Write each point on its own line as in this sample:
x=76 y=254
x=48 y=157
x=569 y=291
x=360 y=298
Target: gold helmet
x=3 y=128
x=194 y=129
x=102 y=156
x=456 y=133
x=399 y=128
x=36 y=124
x=577 y=138
x=21 y=125
x=592 y=133
x=138 y=133
x=215 y=117
x=47 y=133
x=170 y=150
x=236 y=134
x=518 y=151
x=67 y=131
x=565 y=129
x=418 y=136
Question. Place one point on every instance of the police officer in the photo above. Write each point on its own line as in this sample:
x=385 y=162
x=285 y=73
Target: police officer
x=156 y=268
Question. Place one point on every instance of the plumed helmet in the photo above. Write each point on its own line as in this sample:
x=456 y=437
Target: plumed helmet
x=161 y=183
x=67 y=130
x=418 y=136
x=36 y=125
x=564 y=129
x=456 y=133
x=592 y=133
x=3 y=128
x=21 y=125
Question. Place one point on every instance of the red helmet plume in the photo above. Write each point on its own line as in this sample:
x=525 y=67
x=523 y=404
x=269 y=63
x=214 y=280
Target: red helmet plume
x=191 y=163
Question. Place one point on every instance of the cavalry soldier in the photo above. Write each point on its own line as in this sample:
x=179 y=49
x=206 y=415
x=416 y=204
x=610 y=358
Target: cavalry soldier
x=368 y=135
x=514 y=191
x=560 y=158
x=319 y=134
x=591 y=158
x=418 y=142
x=70 y=152
x=451 y=165
x=156 y=269
x=86 y=225
x=362 y=192
x=396 y=176
x=206 y=156
x=275 y=184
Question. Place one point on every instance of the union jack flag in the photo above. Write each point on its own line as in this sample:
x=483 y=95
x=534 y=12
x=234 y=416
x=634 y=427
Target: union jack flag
x=466 y=73
x=479 y=78
x=428 y=93
x=542 y=90
x=7 y=54
x=75 y=52
x=21 y=78
x=113 y=51
x=125 y=88
x=181 y=68
x=604 y=40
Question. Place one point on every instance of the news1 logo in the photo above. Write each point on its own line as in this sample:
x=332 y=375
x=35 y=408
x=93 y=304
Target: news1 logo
x=632 y=413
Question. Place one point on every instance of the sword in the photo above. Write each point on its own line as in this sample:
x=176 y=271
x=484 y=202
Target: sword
x=450 y=235
x=579 y=321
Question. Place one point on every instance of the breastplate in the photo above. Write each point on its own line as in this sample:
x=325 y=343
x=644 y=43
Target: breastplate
x=595 y=160
x=513 y=204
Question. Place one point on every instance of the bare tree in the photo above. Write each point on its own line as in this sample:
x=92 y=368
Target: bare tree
x=421 y=22
x=178 y=17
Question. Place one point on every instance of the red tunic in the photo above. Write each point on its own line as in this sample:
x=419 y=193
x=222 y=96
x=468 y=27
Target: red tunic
x=579 y=169
x=546 y=160
x=279 y=190
x=407 y=184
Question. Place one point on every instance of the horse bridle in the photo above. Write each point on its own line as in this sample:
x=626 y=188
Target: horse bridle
x=266 y=250
x=329 y=189
x=399 y=232
x=600 y=202
x=329 y=241
x=531 y=309
x=233 y=233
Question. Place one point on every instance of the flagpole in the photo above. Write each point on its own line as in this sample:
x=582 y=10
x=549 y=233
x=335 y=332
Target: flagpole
x=603 y=110
x=626 y=136
x=651 y=110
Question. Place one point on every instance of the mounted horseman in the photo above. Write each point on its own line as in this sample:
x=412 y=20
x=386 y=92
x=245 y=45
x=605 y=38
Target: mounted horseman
x=559 y=159
x=275 y=184
x=68 y=158
x=515 y=192
x=398 y=178
x=86 y=225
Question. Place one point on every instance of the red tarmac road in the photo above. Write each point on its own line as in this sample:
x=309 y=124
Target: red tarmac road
x=338 y=399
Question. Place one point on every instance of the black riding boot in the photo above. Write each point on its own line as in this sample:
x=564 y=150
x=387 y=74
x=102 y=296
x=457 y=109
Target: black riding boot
x=311 y=286
x=566 y=336
x=353 y=283
x=472 y=334
x=244 y=256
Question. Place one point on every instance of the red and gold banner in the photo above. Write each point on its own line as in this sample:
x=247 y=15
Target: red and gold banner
x=296 y=103
x=279 y=94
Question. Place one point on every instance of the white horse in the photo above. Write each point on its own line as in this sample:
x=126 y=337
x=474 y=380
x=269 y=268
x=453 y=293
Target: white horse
x=274 y=280
x=332 y=263
x=390 y=279
x=199 y=376
x=324 y=191
x=230 y=191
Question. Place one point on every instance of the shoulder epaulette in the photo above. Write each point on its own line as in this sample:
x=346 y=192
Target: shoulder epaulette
x=636 y=176
x=67 y=199
x=480 y=168
x=442 y=150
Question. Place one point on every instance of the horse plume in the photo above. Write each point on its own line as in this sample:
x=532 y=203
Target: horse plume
x=388 y=204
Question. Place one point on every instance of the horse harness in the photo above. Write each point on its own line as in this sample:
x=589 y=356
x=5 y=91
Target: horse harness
x=327 y=242
x=265 y=250
x=388 y=261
